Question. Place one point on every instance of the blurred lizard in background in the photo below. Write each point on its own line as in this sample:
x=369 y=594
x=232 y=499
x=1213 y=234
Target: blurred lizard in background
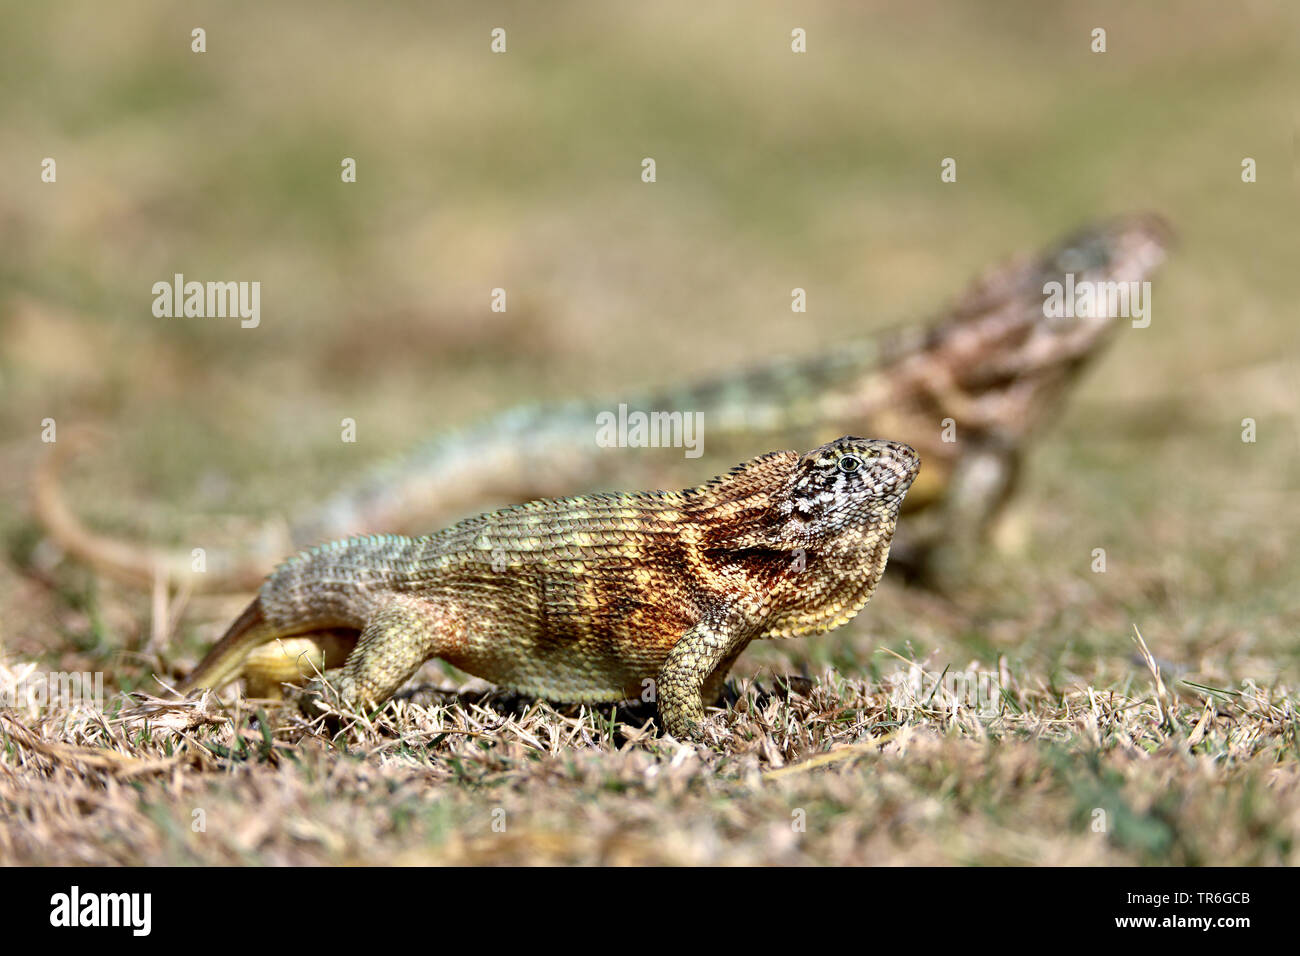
x=966 y=390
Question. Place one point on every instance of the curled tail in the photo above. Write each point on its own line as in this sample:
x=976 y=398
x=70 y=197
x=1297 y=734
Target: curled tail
x=507 y=458
x=127 y=561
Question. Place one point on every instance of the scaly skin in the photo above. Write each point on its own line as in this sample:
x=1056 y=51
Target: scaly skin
x=588 y=598
x=993 y=365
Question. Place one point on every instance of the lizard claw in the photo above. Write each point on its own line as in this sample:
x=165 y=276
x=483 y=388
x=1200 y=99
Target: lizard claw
x=322 y=698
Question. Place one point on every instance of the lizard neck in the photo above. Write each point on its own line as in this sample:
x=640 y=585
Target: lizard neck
x=830 y=582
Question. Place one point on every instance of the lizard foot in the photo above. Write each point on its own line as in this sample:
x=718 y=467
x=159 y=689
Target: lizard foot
x=325 y=696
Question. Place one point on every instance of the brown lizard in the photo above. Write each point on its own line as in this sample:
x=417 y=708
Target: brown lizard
x=968 y=390
x=589 y=598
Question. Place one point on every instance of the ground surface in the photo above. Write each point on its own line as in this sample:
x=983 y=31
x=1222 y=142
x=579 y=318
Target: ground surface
x=774 y=171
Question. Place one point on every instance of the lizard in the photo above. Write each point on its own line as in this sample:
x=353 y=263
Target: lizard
x=587 y=598
x=969 y=390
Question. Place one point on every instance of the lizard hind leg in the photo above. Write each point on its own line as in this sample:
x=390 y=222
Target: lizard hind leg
x=399 y=636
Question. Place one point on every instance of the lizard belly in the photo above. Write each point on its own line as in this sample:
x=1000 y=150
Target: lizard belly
x=561 y=638
x=557 y=666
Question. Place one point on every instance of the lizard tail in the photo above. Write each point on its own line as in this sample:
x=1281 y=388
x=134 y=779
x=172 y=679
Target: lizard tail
x=267 y=657
x=226 y=659
x=124 y=561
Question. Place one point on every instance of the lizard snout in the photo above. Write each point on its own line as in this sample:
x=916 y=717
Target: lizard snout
x=896 y=466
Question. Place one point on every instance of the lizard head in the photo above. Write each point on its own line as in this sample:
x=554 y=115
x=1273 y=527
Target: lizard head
x=847 y=483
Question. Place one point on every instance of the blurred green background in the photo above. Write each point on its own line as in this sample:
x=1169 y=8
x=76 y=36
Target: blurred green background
x=522 y=171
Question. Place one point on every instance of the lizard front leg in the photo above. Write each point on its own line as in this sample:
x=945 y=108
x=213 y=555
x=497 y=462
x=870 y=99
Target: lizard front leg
x=700 y=661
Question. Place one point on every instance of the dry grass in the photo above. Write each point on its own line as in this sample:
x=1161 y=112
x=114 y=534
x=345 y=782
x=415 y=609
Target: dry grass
x=832 y=770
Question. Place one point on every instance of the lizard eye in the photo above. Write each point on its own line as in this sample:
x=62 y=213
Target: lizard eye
x=850 y=463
